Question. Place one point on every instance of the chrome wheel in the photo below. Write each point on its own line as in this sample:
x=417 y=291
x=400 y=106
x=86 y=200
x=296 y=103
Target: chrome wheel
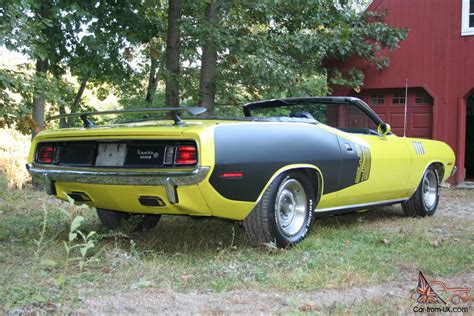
x=291 y=207
x=429 y=189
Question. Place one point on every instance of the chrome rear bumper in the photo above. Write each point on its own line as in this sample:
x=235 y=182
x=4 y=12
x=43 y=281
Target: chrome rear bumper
x=168 y=179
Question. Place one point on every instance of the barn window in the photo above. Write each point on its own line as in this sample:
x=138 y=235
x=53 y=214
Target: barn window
x=467 y=17
x=398 y=98
x=423 y=98
x=377 y=99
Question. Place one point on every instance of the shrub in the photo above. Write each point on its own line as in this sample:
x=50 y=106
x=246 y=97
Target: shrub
x=14 y=149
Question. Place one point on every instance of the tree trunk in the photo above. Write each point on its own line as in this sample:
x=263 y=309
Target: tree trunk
x=172 y=54
x=77 y=100
x=207 y=83
x=62 y=120
x=42 y=65
x=39 y=98
x=152 y=81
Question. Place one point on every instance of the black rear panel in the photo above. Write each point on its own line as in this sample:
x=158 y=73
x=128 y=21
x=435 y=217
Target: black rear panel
x=137 y=153
x=145 y=155
x=82 y=154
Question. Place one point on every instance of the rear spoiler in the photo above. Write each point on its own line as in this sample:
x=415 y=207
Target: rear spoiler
x=174 y=111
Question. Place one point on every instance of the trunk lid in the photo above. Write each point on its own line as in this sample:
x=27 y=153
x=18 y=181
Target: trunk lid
x=151 y=144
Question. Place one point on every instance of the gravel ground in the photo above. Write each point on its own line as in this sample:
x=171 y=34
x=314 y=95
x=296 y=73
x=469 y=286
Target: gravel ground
x=251 y=301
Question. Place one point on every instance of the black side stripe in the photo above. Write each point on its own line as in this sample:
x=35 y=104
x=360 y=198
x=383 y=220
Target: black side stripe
x=260 y=149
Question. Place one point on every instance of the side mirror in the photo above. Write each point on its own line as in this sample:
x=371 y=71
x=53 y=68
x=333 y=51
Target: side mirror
x=384 y=129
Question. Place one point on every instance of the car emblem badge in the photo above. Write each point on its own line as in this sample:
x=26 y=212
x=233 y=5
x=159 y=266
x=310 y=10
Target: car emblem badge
x=149 y=154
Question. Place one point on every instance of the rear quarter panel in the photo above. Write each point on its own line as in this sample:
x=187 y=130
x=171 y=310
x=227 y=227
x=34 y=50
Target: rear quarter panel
x=262 y=151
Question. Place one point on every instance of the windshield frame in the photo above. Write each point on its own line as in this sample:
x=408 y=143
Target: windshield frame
x=274 y=103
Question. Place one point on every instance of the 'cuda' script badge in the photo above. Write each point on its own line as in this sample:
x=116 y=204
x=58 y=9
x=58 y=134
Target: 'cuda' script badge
x=149 y=154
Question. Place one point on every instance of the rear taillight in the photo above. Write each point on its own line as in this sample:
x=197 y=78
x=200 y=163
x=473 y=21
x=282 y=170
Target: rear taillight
x=185 y=155
x=45 y=154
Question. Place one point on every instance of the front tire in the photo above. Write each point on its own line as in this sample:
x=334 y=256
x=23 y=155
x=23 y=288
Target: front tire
x=114 y=220
x=424 y=201
x=285 y=212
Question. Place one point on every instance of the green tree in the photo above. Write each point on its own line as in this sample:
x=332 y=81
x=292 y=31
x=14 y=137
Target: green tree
x=272 y=48
x=207 y=80
x=103 y=53
x=212 y=52
x=45 y=31
x=173 y=40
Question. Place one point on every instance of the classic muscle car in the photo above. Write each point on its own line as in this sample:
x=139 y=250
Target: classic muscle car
x=274 y=168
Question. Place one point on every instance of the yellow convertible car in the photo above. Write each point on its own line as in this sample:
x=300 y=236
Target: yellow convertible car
x=276 y=167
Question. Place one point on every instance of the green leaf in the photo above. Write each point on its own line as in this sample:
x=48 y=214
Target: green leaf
x=76 y=223
x=61 y=280
x=72 y=236
x=66 y=247
x=82 y=235
x=70 y=200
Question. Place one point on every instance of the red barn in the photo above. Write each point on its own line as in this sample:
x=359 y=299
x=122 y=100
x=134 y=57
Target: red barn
x=437 y=59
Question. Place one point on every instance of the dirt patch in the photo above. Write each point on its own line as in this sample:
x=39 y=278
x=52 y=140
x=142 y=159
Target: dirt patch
x=458 y=203
x=154 y=301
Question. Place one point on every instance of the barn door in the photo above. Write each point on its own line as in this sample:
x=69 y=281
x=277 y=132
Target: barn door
x=389 y=104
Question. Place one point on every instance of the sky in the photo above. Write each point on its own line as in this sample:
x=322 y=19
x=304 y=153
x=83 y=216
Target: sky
x=9 y=59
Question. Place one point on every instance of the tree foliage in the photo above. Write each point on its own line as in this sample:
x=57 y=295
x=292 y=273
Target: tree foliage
x=215 y=53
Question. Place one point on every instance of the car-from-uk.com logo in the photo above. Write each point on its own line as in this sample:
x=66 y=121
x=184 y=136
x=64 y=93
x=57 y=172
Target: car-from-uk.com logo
x=437 y=297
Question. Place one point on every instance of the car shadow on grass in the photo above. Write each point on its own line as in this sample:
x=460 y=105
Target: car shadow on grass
x=183 y=234
x=381 y=214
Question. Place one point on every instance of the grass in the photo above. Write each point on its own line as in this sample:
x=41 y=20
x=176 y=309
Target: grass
x=186 y=254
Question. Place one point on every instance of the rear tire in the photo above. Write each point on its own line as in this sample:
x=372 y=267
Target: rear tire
x=424 y=201
x=285 y=212
x=114 y=220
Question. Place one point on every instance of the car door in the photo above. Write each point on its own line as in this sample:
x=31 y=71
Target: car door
x=383 y=161
x=390 y=168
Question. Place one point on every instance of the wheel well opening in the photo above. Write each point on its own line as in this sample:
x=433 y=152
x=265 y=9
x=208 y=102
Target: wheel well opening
x=440 y=169
x=316 y=180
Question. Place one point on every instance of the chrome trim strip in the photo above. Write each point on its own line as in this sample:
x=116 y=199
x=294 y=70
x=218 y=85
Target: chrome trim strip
x=171 y=190
x=453 y=172
x=348 y=207
x=118 y=176
x=419 y=149
x=50 y=190
x=296 y=166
